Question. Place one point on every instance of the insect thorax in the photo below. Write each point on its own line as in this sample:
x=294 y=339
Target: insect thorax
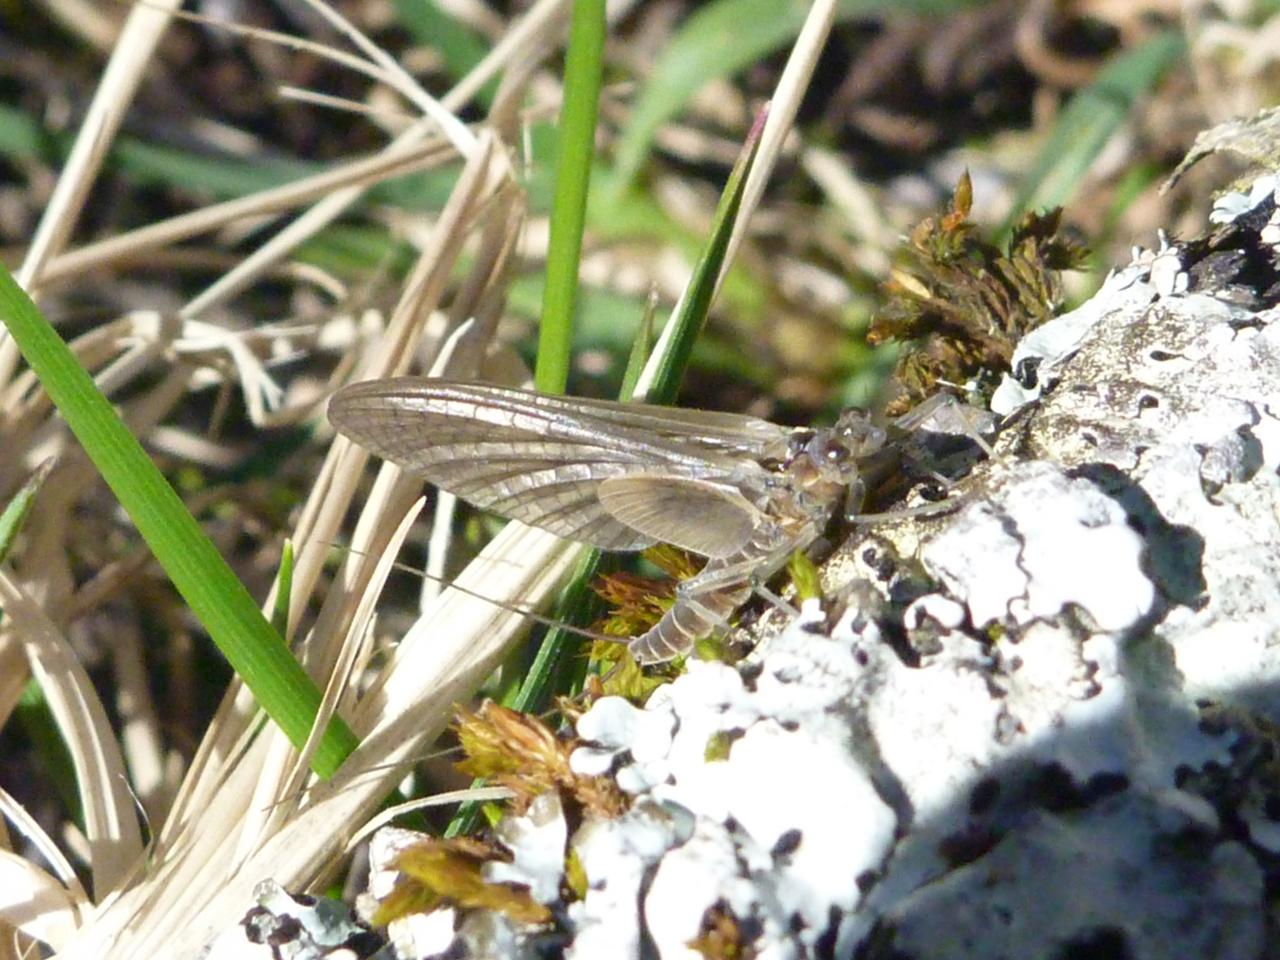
x=831 y=456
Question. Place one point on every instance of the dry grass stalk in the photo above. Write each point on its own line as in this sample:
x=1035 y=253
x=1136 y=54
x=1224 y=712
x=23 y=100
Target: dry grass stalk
x=241 y=813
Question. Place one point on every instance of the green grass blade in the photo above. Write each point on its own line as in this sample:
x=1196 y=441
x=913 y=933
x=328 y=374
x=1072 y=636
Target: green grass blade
x=640 y=348
x=583 y=72
x=691 y=315
x=17 y=509
x=550 y=670
x=1089 y=121
x=217 y=598
x=221 y=177
x=49 y=749
x=284 y=591
x=148 y=164
x=558 y=666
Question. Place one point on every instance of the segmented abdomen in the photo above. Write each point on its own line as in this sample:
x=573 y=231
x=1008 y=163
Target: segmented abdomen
x=696 y=613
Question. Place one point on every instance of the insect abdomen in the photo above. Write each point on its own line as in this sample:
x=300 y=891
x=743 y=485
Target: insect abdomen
x=701 y=607
x=688 y=621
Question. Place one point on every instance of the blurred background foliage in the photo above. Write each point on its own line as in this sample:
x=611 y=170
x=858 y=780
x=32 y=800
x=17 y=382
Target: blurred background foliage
x=1083 y=103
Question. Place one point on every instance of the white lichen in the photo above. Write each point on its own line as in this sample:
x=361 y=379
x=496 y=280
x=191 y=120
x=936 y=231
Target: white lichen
x=1067 y=745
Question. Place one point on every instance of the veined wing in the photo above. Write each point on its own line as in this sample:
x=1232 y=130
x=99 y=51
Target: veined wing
x=709 y=518
x=541 y=459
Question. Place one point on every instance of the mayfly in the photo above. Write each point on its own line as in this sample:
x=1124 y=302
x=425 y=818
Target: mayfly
x=740 y=491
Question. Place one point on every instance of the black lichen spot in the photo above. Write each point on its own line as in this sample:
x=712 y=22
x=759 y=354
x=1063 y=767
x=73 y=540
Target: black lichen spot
x=1104 y=785
x=1271 y=807
x=824 y=947
x=1027 y=371
x=1148 y=402
x=1103 y=943
x=968 y=845
x=983 y=796
x=787 y=844
x=1058 y=791
x=258 y=924
x=895 y=635
x=866 y=880
x=549 y=944
x=1161 y=356
x=933 y=492
x=880 y=563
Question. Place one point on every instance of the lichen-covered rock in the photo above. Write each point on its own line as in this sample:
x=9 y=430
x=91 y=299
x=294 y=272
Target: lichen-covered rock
x=1044 y=724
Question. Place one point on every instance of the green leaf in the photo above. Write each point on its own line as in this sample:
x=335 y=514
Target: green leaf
x=284 y=590
x=691 y=315
x=217 y=598
x=640 y=348
x=804 y=574
x=17 y=509
x=583 y=72
x=219 y=176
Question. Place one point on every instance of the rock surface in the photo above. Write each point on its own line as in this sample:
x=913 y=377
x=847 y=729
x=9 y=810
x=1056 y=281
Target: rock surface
x=1051 y=729
x=1043 y=724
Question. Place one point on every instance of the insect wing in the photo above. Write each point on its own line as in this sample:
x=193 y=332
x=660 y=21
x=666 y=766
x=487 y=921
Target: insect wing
x=541 y=459
x=708 y=518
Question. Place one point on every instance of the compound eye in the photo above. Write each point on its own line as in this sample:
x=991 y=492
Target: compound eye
x=835 y=453
x=862 y=437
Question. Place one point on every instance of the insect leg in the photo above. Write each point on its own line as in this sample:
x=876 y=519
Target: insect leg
x=916 y=417
x=773 y=598
x=943 y=413
x=760 y=560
